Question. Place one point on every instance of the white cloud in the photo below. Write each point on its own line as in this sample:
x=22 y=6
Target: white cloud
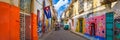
x=66 y=5
x=60 y=3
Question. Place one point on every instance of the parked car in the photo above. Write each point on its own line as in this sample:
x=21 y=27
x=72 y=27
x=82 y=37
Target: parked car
x=66 y=27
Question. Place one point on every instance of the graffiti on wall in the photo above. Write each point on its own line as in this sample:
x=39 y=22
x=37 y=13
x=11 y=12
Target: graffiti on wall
x=89 y=22
x=100 y=21
x=117 y=28
x=39 y=24
x=95 y=26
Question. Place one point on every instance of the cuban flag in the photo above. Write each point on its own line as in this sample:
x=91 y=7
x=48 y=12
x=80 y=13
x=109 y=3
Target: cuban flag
x=47 y=12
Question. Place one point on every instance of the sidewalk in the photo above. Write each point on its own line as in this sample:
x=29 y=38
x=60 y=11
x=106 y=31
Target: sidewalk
x=85 y=36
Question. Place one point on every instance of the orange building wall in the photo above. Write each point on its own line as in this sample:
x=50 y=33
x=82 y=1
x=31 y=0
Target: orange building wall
x=9 y=22
x=34 y=27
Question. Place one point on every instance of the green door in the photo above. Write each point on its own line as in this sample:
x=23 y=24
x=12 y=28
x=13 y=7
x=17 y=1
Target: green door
x=81 y=26
x=109 y=25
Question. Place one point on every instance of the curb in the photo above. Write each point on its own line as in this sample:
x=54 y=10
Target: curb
x=79 y=34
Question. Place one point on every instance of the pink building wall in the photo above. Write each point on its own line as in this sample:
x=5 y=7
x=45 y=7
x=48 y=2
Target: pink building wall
x=99 y=25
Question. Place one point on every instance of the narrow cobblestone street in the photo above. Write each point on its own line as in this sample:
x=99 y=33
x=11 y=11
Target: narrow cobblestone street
x=59 y=19
x=63 y=35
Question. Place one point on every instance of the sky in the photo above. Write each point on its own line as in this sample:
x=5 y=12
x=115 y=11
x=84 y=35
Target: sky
x=61 y=5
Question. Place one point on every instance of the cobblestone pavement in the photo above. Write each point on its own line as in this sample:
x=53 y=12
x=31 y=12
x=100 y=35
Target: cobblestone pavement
x=62 y=35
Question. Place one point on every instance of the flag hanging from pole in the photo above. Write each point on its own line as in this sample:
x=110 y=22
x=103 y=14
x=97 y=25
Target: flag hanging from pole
x=47 y=12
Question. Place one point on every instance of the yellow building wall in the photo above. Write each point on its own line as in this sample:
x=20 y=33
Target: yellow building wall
x=97 y=5
x=83 y=25
x=6 y=1
x=67 y=14
x=78 y=26
x=75 y=8
x=46 y=22
x=12 y=2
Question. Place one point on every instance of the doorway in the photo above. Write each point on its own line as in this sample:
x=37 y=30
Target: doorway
x=81 y=26
x=92 y=33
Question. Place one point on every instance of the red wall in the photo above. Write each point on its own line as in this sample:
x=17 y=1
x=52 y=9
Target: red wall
x=9 y=22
